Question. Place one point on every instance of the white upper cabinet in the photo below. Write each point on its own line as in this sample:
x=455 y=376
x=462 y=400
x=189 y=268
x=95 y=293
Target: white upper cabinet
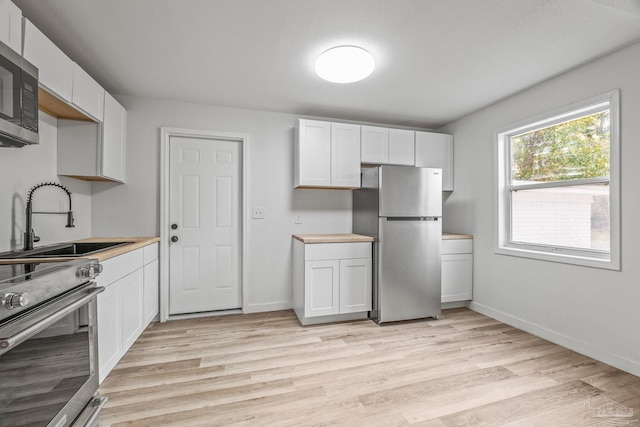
x=88 y=95
x=435 y=150
x=326 y=155
x=113 y=139
x=384 y=146
x=94 y=151
x=11 y=25
x=345 y=155
x=401 y=147
x=374 y=145
x=312 y=154
x=54 y=67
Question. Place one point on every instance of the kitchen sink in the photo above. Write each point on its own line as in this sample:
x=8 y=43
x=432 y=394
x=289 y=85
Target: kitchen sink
x=63 y=250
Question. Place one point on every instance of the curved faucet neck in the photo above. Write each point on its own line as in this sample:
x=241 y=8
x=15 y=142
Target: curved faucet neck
x=29 y=236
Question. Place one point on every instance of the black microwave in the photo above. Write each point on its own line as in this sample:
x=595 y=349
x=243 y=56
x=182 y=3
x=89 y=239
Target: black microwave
x=18 y=100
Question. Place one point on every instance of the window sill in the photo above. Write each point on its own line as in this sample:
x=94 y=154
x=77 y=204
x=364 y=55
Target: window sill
x=603 y=263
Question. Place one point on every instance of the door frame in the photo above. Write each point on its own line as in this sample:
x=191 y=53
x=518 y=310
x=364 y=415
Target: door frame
x=165 y=135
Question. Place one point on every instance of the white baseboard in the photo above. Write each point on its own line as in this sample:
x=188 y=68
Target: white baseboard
x=203 y=314
x=271 y=306
x=581 y=347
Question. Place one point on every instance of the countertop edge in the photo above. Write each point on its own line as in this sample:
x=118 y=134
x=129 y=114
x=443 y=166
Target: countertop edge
x=310 y=239
x=454 y=236
x=135 y=243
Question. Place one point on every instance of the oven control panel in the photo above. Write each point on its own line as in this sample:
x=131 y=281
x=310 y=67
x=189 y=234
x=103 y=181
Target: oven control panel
x=90 y=272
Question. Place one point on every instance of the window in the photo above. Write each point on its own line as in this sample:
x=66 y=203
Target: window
x=558 y=185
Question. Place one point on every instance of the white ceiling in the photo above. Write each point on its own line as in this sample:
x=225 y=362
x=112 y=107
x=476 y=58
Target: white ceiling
x=437 y=60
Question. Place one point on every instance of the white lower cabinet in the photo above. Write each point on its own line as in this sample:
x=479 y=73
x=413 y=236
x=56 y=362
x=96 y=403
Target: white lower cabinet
x=127 y=305
x=151 y=290
x=457 y=270
x=132 y=297
x=355 y=285
x=109 y=329
x=332 y=281
x=322 y=288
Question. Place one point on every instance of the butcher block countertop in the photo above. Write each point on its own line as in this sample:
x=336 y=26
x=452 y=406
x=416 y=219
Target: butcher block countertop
x=332 y=238
x=453 y=236
x=134 y=243
x=349 y=237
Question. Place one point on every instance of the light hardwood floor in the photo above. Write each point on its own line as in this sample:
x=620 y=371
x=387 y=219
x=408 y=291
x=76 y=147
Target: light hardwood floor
x=267 y=370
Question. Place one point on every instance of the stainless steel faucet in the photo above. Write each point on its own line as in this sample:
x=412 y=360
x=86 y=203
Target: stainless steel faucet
x=29 y=235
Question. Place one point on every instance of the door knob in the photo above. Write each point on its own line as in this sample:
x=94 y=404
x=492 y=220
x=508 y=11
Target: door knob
x=174 y=226
x=174 y=239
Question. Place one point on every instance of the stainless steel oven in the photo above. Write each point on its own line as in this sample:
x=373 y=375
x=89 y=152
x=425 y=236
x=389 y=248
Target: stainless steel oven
x=48 y=344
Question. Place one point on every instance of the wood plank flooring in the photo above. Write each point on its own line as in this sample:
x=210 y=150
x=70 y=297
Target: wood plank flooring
x=266 y=370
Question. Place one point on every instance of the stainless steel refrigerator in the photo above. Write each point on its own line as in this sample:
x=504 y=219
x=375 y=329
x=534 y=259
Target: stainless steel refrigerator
x=401 y=207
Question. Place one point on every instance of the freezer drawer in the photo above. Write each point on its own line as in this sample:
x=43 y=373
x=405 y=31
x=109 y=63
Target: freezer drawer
x=408 y=269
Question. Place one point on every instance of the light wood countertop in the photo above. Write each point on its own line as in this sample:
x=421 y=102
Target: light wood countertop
x=349 y=237
x=332 y=238
x=453 y=236
x=134 y=243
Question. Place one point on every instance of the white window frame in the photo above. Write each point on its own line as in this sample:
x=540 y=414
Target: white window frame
x=502 y=147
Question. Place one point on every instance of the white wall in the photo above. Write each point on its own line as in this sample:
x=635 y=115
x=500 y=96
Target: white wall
x=593 y=311
x=20 y=170
x=133 y=209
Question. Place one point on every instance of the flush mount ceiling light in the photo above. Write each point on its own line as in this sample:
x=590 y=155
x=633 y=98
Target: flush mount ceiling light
x=345 y=64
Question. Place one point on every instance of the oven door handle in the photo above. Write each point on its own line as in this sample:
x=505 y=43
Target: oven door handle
x=7 y=343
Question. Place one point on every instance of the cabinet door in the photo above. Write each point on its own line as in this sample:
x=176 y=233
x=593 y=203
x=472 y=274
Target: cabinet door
x=87 y=95
x=345 y=155
x=457 y=277
x=322 y=288
x=113 y=139
x=132 y=308
x=312 y=162
x=435 y=150
x=54 y=67
x=374 y=145
x=151 y=301
x=355 y=285
x=401 y=147
x=11 y=25
x=109 y=328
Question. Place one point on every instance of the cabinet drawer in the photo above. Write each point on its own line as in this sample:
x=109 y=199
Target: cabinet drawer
x=457 y=246
x=320 y=251
x=120 y=266
x=150 y=253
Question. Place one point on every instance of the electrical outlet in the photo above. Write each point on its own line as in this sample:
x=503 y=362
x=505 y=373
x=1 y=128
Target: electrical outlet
x=258 y=213
x=298 y=219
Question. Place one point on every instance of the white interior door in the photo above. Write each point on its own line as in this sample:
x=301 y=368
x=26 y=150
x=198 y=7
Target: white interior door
x=205 y=221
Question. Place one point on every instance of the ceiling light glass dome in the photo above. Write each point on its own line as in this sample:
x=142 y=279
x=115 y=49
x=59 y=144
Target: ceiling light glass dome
x=345 y=64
